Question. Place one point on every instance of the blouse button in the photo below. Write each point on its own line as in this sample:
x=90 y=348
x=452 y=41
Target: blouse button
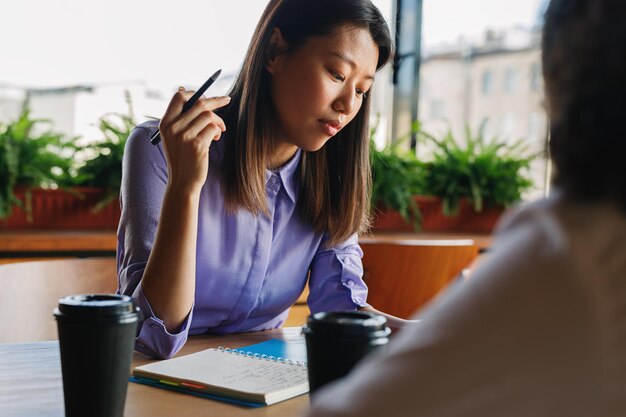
x=350 y=283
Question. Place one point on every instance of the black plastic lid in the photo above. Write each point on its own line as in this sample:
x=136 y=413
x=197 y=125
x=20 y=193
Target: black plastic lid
x=347 y=323
x=99 y=305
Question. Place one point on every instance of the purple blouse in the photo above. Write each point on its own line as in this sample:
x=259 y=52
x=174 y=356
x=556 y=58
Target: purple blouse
x=249 y=269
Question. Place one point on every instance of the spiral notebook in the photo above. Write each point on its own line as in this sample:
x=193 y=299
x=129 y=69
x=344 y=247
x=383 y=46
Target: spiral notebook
x=294 y=350
x=241 y=376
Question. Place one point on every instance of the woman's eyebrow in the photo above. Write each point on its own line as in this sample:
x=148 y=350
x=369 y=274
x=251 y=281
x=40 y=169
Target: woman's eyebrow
x=349 y=61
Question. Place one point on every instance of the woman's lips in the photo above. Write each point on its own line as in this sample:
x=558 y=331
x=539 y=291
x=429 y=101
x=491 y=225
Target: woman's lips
x=331 y=128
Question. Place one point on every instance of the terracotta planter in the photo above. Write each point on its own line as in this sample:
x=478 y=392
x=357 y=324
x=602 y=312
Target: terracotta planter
x=63 y=210
x=386 y=220
x=433 y=219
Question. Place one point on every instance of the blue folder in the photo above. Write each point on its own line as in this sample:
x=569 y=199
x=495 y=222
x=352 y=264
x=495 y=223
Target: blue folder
x=293 y=350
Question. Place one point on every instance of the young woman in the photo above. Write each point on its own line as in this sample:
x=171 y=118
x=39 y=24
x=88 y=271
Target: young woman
x=540 y=328
x=248 y=196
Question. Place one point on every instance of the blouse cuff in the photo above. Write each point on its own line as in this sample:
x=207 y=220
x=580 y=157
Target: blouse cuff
x=340 y=285
x=351 y=278
x=153 y=338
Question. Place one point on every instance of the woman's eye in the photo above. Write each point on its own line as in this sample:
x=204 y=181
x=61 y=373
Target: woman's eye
x=338 y=77
x=361 y=93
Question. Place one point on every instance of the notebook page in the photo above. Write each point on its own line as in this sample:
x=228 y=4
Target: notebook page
x=231 y=371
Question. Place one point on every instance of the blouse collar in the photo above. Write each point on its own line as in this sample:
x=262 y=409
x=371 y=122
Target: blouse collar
x=288 y=174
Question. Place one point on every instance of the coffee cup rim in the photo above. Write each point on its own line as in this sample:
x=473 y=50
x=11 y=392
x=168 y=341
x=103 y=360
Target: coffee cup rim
x=100 y=305
x=347 y=323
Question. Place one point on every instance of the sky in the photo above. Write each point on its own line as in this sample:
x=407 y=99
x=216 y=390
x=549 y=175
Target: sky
x=445 y=20
x=47 y=43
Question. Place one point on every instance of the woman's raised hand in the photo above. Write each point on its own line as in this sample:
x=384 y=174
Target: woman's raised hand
x=186 y=139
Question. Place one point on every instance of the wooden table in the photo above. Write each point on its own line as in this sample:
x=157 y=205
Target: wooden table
x=31 y=385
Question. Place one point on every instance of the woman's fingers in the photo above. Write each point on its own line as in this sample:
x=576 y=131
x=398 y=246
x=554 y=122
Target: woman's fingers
x=187 y=136
x=213 y=103
x=211 y=133
x=204 y=120
x=175 y=107
x=195 y=119
x=202 y=142
x=187 y=128
x=204 y=105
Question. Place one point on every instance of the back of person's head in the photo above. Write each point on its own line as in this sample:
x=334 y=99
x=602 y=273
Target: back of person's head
x=584 y=65
x=335 y=181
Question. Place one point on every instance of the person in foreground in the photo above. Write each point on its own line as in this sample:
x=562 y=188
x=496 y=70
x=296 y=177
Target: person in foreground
x=540 y=328
x=243 y=200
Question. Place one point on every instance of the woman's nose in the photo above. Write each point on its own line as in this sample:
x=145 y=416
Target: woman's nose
x=345 y=102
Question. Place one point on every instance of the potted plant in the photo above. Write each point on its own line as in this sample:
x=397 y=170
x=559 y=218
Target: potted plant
x=460 y=188
x=469 y=186
x=43 y=187
x=31 y=160
x=101 y=175
x=396 y=179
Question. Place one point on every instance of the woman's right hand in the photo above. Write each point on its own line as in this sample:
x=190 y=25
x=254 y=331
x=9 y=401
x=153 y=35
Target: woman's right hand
x=186 y=139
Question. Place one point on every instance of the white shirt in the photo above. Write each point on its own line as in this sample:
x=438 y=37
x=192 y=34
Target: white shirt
x=538 y=330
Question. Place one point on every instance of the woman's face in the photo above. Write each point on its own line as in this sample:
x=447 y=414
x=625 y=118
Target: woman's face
x=319 y=88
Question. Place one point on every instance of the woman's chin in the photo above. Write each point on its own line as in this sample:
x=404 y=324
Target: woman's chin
x=314 y=146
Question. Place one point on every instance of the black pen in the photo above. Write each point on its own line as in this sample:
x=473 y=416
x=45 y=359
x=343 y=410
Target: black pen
x=156 y=137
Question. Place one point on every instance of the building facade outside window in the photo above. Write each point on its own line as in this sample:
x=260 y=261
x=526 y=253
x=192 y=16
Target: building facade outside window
x=510 y=80
x=487 y=82
x=501 y=95
x=536 y=83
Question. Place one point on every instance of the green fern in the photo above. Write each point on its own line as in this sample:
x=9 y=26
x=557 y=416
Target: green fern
x=31 y=155
x=487 y=172
x=105 y=169
x=396 y=178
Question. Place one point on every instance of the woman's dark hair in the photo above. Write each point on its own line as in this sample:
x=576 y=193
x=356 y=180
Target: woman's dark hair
x=584 y=66
x=335 y=181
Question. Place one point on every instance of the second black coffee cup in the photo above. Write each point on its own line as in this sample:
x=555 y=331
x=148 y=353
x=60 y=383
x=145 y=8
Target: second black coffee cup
x=337 y=341
x=96 y=339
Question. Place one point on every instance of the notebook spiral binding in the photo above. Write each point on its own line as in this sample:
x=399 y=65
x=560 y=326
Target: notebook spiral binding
x=261 y=356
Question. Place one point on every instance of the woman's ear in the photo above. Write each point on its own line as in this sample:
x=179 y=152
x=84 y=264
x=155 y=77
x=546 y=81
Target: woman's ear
x=276 y=47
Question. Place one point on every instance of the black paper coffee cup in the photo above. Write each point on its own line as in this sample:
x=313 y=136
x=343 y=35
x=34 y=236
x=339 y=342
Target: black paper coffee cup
x=96 y=339
x=337 y=341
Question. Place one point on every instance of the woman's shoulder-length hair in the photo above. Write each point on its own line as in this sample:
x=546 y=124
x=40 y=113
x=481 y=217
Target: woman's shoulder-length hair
x=334 y=182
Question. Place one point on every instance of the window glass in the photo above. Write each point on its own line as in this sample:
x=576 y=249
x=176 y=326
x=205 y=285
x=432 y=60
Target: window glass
x=510 y=80
x=535 y=77
x=76 y=59
x=487 y=82
x=490 y=53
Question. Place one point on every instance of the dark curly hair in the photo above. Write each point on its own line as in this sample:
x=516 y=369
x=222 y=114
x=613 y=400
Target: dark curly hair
x=584 y=66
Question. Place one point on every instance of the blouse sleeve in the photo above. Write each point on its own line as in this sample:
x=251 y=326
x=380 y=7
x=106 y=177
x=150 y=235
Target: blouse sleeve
x=144 y=178
x=336 y=280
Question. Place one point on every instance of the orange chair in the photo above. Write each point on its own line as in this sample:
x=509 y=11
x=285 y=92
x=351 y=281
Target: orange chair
x=403 y=275
x=31 y=290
